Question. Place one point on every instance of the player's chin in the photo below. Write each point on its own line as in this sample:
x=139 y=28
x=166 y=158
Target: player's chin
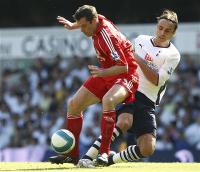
x=88 y=34
x=162 y=39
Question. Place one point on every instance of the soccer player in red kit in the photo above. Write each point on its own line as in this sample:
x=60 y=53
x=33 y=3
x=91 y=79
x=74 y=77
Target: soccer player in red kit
x=115 y=81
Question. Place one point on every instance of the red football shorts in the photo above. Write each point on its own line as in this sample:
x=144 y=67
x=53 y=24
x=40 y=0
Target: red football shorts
x=99 y=86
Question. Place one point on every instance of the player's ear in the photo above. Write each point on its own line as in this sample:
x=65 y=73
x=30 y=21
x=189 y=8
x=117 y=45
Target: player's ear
x=94 y=20
x=174 y=33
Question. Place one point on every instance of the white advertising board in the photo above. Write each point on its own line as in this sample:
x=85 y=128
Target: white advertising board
x=49 y=42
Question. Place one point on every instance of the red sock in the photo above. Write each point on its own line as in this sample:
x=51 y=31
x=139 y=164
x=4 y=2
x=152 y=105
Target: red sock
x=107 y=126
x=74 y=124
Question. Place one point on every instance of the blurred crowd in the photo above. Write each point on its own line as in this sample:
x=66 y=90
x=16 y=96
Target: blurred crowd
x=33 y=103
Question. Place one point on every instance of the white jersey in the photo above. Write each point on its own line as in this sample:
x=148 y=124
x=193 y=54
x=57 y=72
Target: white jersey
x=165 y=59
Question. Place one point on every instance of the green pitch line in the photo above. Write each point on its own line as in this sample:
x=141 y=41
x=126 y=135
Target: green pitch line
x=123 y=167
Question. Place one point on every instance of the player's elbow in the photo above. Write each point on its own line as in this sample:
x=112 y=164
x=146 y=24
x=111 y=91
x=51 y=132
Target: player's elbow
x=124 y=69
x=155 y=80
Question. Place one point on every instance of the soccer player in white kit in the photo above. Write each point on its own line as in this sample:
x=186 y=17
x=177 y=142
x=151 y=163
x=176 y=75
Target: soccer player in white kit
x=157 y=58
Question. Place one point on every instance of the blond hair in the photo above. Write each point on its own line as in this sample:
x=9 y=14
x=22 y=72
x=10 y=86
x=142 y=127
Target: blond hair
x=169 y=15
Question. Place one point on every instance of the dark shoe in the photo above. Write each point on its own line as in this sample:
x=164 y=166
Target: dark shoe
x=110 y=159
x=102 y=160
x=60 y=159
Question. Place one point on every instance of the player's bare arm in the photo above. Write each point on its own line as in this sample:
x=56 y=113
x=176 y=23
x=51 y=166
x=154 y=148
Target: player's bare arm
x=100 y=72
x=67 y=24
x=150 y=71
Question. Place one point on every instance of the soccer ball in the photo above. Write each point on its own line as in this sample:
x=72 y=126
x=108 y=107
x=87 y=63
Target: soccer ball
x=62 y=141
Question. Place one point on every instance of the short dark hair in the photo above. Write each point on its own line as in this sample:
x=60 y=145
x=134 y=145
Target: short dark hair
x=87 y=11
x=169 y=15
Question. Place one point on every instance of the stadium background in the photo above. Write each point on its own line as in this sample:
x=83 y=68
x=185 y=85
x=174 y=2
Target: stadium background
x=35 y=86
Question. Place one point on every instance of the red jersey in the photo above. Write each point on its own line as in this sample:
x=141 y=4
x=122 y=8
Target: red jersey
x=112 y=47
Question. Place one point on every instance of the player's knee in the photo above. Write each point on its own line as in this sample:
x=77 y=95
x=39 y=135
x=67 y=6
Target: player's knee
x=70 y=104
x=147 y=149
x=72 y=107
x=108 y=101
x=124 y=124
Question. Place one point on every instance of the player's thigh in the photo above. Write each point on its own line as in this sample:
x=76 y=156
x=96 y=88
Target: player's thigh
x=115 y=95
x=85 y=97
x=82 y=99
x=130 y=83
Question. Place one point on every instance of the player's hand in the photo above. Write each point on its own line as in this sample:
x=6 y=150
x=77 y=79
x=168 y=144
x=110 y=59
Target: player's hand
x=67 y=24
x=95 y=71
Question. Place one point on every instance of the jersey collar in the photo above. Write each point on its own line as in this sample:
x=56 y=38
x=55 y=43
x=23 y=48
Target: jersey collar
x=159 y=46
x=100 y=24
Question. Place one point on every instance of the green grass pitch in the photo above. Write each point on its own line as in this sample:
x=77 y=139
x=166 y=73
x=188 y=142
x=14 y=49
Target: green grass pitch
x=122 y=167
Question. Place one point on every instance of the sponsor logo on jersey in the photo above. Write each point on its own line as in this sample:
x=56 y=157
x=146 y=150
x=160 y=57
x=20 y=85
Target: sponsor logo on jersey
x=148 y=58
